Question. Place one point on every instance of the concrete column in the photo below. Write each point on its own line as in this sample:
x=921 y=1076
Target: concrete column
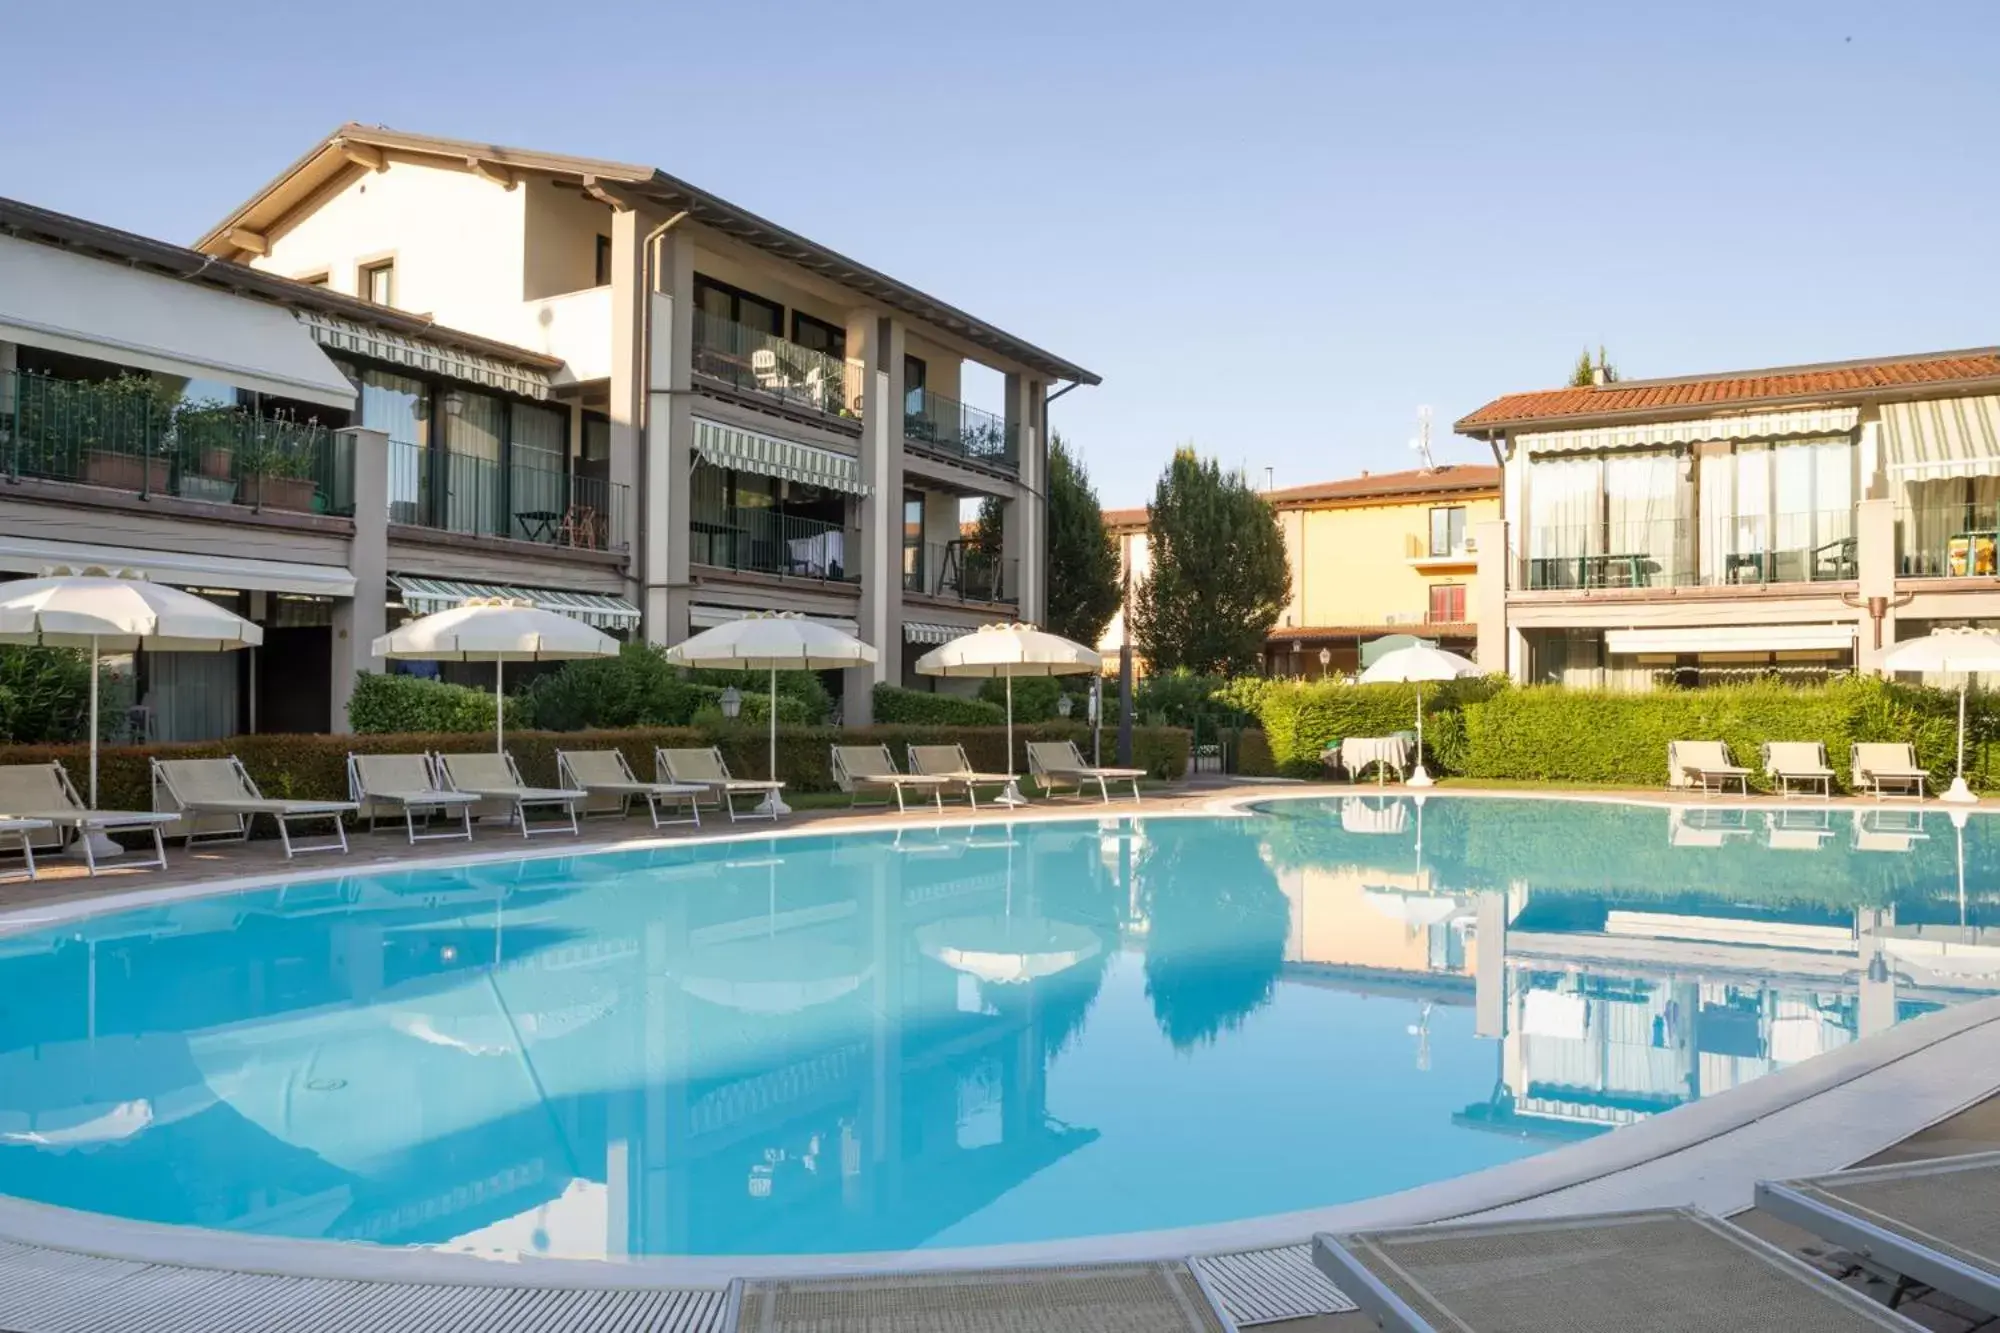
x=363 y=618
x=875 y=350
x=1025 y=541
x=1489 y=595
x=1875 y=568
x=663 y=554
x=628 y=370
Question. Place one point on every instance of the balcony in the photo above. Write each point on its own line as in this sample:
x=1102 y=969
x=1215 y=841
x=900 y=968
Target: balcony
x=482 y=497
x=1421 y=554
x=765 y=541
x=957 y=572
x=1950 y=540
x=764 y=364
x=946 y=426
x=127 y=435
x=1813 y=547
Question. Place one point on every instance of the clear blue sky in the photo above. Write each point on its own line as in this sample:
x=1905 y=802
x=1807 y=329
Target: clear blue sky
x=1273 y=228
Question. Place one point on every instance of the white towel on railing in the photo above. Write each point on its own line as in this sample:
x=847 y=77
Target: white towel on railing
x=819 y=555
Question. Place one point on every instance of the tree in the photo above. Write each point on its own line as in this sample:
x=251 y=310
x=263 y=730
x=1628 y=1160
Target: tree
x=1586 y=372
x=1216 y=929
x=1082 y=553
x=1219 y=578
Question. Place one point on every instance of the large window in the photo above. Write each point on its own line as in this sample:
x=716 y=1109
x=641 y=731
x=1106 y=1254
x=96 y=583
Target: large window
x=1448 y=530
x=914 y=373
x=1621 y=520
x=474 y=495
x=721 y=301
x=399 y=406
x=1777 y=513
x=818 y=335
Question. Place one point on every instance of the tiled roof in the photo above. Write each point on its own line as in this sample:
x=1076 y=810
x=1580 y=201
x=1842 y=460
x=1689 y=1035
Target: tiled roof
x=1841 y=381
x=1448 y=479
x=1126 y=518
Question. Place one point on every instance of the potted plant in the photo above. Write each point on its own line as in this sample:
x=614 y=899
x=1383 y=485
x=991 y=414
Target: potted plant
x=206 y=434
x=121 y=425
x=277 y=472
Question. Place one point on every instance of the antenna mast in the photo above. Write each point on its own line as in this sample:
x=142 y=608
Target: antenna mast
x=1421 y=446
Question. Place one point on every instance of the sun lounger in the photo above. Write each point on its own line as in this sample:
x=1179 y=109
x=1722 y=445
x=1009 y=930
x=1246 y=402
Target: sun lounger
x=1798 y=830
x=951 y=763
x=1645 y=1272
x=44 y=792
x=607 y=773
x=1792 y=764
x=705 y=769
x=1692 y=826
x=24 y=830
x=858 y=767
x=222 y=790
x=1883 y=767
x=1060 y=764
x=1931 y=1223
x=1880 y=830
x=1704 y=764
x=495 y=777
x=405 y=784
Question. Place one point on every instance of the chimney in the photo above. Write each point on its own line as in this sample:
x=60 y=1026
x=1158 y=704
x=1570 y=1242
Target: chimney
x=1597 y=375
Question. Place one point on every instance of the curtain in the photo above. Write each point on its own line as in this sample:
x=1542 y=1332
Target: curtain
x=1565 y=507
x=537 y=448
x=1934 y=512
x=397 y=406
x=1643 y=511
x=193 y=696
x=473 y=426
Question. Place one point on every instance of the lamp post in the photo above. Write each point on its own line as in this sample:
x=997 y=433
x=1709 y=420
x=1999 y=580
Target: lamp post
x=1325 y=661
x=732 y=703
x=1065 y=706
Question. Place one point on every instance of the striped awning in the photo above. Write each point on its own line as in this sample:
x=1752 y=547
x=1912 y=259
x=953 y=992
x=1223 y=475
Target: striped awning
x=1942 y=437
x=708 y=617
x=344 y=335
x=426 y=596
x=1657 y=434
x=1730 y=639
x=769 y=456
x=924 y=632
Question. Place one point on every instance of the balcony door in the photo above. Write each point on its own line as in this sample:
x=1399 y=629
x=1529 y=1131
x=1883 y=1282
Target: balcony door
x=1777 y=513
x=1608 y=521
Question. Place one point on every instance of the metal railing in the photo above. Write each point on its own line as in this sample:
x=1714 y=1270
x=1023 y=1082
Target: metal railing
x=1954 y=540
x=464 y=493
x=933 y=421
x=131 y=435
x=758 y=362
x=1810 y=547
x=960 y=571
x=766 y=541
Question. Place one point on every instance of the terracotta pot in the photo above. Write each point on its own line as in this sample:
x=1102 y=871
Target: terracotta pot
x=268 y=492
x=218 y=461
x=125 y=472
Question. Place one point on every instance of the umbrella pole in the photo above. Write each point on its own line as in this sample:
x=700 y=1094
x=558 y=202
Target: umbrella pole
x=93 y=724
x=100 y=844
x=499 y=707
x=1011 y=796
x=1959 y=793
x=1418 y=777
x=774 y=803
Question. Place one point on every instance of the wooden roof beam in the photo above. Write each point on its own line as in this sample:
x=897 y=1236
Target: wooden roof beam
x=256 y=242
x=596 y=189
x=492 y=171
x=363 y=155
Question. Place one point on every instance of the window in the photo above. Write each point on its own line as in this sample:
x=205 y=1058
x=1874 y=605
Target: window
x=913 y=386
x=1447 y=603
x=318 y=279
x=818 y=335
x=1448 y=530
x=721 y=301
x=913 y=540
x=378 y=282
x=1777 y=512
x=603 y=278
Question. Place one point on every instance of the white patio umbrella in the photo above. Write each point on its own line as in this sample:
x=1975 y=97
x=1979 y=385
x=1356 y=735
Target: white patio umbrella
x=121 y=612
x=496 y=630
x=1008 y=949
x=1959 y=652
x=773 y=641
x=1007 y=651
x=1413 y=666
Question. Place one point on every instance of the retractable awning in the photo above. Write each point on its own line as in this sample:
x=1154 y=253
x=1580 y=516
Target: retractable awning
x=769 y=456
x=702 y=616
x=924 y=632
x=1806 y=421
x=344 y=335
x=68 y=303
x=426 y=595
x=180 y=569
x=1942 y=437
x=1731 y=639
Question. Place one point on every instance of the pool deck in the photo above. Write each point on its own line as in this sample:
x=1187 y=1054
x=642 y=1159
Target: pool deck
x=1925 y=1087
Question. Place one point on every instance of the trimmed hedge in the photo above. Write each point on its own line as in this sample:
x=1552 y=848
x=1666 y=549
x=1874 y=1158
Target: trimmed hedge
x=315 y=767
x=1301 y=719
x=396 y=703
x=895 y=706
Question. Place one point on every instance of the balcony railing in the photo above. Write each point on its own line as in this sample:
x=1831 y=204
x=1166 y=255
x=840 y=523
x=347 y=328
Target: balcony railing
x=128 y=435
x=765 y=541
x=1955 y=540
x=763 y=363
x=463 y=493
x=947 y=426
x=1419 y=548
x=960 y=572
x=1810 y=547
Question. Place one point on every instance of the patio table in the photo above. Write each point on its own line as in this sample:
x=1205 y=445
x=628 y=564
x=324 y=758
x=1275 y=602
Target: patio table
x=1385 y=752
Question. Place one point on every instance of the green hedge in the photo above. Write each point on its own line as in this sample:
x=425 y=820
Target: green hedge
x=1302 y=718
x=314 y=767
x=395 y=703
x=921 y=708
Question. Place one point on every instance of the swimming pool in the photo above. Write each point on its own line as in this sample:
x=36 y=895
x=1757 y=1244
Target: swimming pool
x=965 y=1036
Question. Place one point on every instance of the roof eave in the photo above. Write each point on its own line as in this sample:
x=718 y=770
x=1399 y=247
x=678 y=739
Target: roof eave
x=1483 y=430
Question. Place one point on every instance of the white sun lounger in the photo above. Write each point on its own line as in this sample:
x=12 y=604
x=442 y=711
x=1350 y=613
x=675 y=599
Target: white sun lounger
x=951 y=763
x=856 y=767
x=1883 y=767
x=1662 y=1271
x=24 y=830
x=44 y=791
x=495 y=777
x=1798 y=762
x=223 y=789
x=705 y=769
x=1057 y=764
x=406 y=784
x=608 y=773
x=1704 y=764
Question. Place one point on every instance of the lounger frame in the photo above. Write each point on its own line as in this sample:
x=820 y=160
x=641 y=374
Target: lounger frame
x=81 y=820
x=655 y=793
x=334 y=811
x=521 y=797
x=1076 y=774
x=25 y=830
x=437 y=801
x=725 y=788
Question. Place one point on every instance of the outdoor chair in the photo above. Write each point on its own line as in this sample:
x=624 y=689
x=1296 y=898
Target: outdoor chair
x=24 y=830
x=1798 y=763
x=1885 y=767
x=1055 y=764
x=221 y=794
x=495 y=777
x=44 y=792
x=406 y=784
x=606 y=773
x=859 y=767
x=1640 y=1272
x=1704 y=764
x=951 y=763
x=706 y=769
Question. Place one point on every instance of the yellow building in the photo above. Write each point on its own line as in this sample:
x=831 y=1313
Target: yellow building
x=1373 y=555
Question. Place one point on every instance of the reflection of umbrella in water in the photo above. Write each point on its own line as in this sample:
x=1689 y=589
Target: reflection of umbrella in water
x=770 y=973
x=1966 y=959
x=1008 y=949
x=1418 y=909
x=90 y=1092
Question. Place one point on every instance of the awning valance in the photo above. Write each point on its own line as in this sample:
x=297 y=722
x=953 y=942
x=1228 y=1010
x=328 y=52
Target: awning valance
x=1942 y=437
x=425 y=596
x=1660 y=434
x=769 y=456
x=1731 y=639
x=69 y=303
x=925 y=632
x=180 y=569
x=344 y=335
x=708 y=617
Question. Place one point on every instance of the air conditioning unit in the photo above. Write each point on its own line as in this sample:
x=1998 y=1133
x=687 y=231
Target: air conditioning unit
x=1471 y=545
x=1403 y=618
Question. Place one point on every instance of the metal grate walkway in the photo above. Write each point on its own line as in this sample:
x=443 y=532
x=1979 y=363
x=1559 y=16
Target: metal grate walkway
x=1265 y=1286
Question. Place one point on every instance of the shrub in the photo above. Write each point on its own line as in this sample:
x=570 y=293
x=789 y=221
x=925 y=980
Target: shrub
x=1253 y=755
x=921 y=708
x=1302 y=718
x=804 y=686
x=1034 y=697
x=393 y=704
x=755 y=709
x=637 y=688
x=1176 y=698
x=44 y=694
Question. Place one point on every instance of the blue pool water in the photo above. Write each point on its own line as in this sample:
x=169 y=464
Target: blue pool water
x=961 y=1036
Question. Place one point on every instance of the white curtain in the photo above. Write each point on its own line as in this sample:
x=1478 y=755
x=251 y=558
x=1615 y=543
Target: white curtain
x=1643 y=510
x=1934 y=512
x=193 y=696
x=473 y=423
x=1565 y=519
